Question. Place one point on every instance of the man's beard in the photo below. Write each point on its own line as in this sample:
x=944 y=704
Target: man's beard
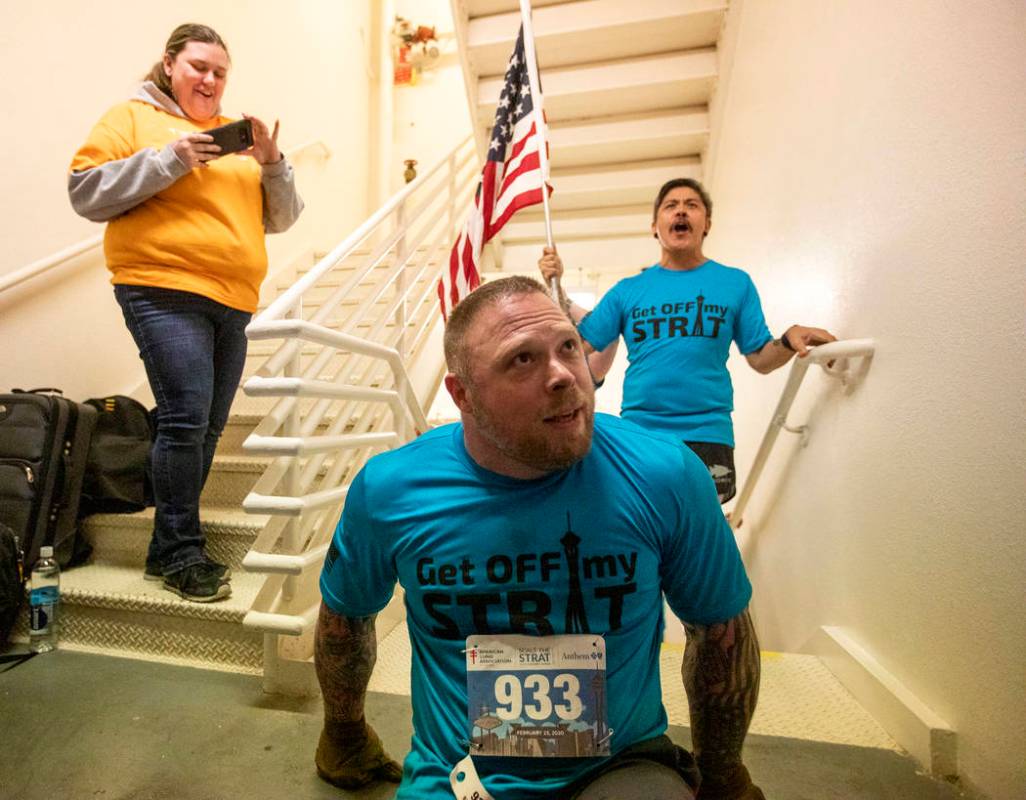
x=543 y=453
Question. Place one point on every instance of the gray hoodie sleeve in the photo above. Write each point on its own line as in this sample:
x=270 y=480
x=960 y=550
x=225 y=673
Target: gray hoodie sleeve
x=282 y=204
x=104 y=192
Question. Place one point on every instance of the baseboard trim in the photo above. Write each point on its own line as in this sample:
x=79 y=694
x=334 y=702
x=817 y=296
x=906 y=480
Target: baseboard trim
x=912 y=724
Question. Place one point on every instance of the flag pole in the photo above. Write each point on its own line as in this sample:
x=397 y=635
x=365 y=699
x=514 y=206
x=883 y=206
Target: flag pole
x=539 y=124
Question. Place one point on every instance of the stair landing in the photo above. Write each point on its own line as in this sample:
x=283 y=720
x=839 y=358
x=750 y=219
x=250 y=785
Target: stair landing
x=798 y=698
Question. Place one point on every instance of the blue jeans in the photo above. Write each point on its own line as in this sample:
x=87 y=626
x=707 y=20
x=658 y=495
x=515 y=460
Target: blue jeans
x=194 y=350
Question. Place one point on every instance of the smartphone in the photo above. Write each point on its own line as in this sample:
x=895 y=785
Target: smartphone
x=233 y=137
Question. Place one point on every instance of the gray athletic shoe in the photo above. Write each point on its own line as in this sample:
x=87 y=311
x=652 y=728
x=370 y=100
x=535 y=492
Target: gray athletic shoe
x=153 y=572
x=200 y=583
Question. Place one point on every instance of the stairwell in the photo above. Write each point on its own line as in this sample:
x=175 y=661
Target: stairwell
x=631 y=91
x=627 y=88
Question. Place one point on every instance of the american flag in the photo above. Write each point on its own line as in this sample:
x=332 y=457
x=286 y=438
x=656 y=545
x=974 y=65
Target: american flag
x=511 y=179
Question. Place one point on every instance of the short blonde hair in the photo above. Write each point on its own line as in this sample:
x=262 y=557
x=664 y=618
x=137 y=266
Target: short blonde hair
x=463 y=316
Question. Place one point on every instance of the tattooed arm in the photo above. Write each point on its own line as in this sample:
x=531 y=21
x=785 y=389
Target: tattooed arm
x=721 y=677
x=349 y=753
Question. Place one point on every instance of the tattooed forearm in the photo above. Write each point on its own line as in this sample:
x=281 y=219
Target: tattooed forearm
x=721 y=677
x=345 y=650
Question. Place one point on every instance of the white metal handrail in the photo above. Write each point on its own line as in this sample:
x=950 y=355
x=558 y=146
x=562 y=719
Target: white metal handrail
x=47 y=263
x=834 y=358
x=280 y=307
x=347 y=329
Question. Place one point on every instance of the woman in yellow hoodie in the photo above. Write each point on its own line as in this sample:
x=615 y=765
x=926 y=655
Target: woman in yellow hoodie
x=185 y=245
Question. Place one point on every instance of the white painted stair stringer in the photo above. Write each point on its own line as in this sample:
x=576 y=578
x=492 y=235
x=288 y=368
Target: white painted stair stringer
x=915 y=726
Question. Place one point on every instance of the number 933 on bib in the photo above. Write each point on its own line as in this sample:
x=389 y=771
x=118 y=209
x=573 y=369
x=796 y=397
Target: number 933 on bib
x=537 y=696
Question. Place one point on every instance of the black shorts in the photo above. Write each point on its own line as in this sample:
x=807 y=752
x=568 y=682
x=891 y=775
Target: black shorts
x=637 y=768
x=719 y=460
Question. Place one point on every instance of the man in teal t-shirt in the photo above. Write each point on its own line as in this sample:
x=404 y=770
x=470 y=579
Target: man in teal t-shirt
x=535 y=542
x=678 y=318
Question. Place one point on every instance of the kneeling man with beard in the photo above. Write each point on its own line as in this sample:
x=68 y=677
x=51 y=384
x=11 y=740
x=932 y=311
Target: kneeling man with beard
x=535 y=542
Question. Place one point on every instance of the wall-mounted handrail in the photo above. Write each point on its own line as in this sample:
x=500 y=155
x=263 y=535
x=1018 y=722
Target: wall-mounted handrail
x=310 y=146
x=833 y=357
x=47 y=263
x=43 y=265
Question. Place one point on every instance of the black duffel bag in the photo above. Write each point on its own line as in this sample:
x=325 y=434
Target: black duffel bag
x=117 y=479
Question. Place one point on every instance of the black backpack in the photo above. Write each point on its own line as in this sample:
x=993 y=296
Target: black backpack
x=12 y=582
x=117 y=479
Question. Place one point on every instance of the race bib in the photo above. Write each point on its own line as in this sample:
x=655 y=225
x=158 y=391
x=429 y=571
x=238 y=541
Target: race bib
x=537 y=696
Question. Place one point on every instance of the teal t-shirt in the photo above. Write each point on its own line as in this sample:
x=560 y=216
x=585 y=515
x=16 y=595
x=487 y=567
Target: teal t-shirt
x=678 y=326
x=478 y=552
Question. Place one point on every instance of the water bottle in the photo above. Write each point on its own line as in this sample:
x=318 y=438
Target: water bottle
x=44 y=599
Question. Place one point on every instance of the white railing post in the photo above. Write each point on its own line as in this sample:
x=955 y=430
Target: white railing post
x=290 y=536
x=401 y=254
x=452 y=197
x=272 y=661
x=300 y=437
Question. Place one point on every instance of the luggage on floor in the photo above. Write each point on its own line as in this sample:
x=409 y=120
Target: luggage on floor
x=12 y=582
x=117 y=477
x=44 y=441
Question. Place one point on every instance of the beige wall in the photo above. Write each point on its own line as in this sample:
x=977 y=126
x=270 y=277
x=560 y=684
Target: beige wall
x=66 y=62
x=432 y=116
x=870 y=177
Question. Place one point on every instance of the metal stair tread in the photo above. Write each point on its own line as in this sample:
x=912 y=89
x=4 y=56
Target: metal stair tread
x=241 y=418
x=239 y=463
x=244 y=462
x=247 y=419
x=102 y=585
x=350 y=300
x=267 y=347
x=225 y=517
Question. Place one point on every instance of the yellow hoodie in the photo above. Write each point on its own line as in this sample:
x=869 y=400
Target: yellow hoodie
x=199 y=230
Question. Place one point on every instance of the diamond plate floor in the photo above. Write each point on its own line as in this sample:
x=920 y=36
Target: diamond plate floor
x=799 y=697
x=110 y=609
x=125 y=585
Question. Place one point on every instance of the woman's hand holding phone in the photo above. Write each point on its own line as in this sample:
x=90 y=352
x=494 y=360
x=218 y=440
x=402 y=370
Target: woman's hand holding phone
x=265 y=143
x=195 y=149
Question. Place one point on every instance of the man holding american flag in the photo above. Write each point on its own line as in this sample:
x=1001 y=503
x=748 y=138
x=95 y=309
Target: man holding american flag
x=512 y=178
